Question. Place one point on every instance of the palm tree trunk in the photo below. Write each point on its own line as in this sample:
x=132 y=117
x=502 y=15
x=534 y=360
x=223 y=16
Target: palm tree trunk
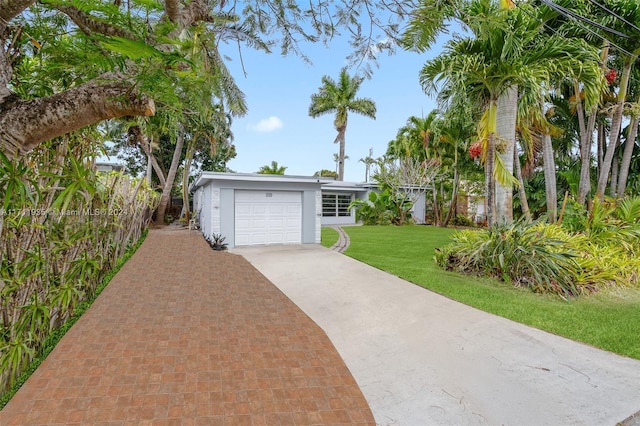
x=616 y=125
x=586 y=140
x=506 y=133
x=629 y=145
x=521 y=192
x=550 y=179
x=185 y=181
x=586 y=134
x=454 y=197
x=171 y=176
x=341 y=140
x=490 y=180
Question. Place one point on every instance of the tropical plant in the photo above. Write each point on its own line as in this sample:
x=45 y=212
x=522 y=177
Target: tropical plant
x=273 y=169
x=62 y=225
x=66 y=65
x=382 y=208
x=339 y=98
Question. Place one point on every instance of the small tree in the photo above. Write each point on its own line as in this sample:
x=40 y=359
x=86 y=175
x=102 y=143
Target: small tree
x=406 y=179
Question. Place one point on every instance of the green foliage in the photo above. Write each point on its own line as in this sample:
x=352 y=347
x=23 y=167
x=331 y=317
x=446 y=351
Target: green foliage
x=520 y=253
x=382 y=208
x=62 y=227
x=20 y=348
x=594 y=251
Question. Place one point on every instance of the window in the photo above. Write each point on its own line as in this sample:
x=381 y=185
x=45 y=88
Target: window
x=336 y=205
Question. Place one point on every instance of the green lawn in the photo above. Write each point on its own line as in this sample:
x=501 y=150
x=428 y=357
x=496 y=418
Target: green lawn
x=609 y=320
x=329 y=236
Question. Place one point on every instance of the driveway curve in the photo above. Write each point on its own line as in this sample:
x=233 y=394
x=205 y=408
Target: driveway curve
x=421 y=358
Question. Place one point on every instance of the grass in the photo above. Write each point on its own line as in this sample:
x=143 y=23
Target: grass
x=329 y=236
x=609 y=320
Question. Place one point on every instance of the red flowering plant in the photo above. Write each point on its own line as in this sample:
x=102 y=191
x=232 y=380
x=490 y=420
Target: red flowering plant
x=611 y=75
x=475 y=149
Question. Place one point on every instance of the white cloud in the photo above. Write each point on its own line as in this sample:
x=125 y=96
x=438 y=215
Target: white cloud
x=267 y=125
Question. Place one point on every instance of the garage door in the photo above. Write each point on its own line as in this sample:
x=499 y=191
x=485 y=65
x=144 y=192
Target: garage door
x=268 y=217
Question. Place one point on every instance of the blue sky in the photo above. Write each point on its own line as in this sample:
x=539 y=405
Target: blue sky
x=278 y=127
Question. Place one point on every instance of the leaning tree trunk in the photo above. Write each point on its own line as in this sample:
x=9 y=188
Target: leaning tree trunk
x=171 y=176
x=506 y=133
x=616 y=125
x=629 y=145
x=550 y=179
x=24 y=124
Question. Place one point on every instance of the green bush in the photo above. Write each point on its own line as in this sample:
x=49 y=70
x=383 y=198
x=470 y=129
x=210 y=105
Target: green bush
x=521 y=254
x=552 y=259
x=383 y=208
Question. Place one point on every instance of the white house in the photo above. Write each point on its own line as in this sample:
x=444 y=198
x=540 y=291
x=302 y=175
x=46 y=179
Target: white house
x=256 y=209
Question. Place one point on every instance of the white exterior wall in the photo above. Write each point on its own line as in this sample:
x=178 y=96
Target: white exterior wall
x=215 y=209
x=318 y=216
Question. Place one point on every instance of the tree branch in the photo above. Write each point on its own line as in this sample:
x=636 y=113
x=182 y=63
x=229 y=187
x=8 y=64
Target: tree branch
x=89 y=24
x=9 y=9
x=25 y=124
x=172 y=9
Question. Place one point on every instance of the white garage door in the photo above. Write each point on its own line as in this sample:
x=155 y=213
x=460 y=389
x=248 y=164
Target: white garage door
x=268 y=217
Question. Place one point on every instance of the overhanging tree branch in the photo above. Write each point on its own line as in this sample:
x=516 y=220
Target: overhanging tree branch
x=25 y=124
x=89 y=24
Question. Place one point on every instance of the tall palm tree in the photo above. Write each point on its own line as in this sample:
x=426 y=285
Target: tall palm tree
x=368 y=162
x=506 y=50
x=339 y=97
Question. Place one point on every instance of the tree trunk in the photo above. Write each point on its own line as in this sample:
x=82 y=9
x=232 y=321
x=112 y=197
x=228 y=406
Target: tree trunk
x=490 y=180
x=25 y=124
x=616 y=125
x=145 y=143
x=629 y=145
x=521 y=192
x=586 y=134
x=341 y=140
x=614 y=176
x=586 y=141
x=185 y=180
x=506 y=134
x=550 y=179
x=454 y=198
x=168 y=186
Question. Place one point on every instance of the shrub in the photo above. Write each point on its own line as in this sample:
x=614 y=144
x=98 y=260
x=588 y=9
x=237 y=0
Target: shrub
x=522 y=254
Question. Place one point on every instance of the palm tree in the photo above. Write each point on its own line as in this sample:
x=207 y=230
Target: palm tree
x=339 y=97
x=273 y=169
x=506 y=55
x=368 y=162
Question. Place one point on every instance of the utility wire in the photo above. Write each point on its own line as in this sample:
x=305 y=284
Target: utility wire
x=567 y=12
x=584 y=27
x=615 y=15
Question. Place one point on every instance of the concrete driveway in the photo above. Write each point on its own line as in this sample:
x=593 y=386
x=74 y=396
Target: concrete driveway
x=423 y=359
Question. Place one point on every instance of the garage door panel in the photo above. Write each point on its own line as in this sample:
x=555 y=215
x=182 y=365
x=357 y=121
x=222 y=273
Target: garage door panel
x=268 y=217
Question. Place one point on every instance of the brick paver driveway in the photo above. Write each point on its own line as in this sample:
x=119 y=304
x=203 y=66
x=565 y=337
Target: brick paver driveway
x=185 y=335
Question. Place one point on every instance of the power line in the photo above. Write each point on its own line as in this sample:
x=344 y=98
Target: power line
x=567 y=12
x=615 y=15
x=589 y=30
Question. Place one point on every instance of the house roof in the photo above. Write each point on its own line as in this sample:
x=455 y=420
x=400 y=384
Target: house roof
x=254 y=177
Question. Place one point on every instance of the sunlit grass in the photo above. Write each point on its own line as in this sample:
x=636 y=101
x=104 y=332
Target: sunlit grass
x=329 y=236
x=608 y=320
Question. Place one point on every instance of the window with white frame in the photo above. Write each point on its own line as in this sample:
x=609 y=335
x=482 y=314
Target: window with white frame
x=336 y=205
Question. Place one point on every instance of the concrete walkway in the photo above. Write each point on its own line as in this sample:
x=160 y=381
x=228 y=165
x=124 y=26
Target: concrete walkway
x=184 y=335
x=343 y=240
x=423 y=359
